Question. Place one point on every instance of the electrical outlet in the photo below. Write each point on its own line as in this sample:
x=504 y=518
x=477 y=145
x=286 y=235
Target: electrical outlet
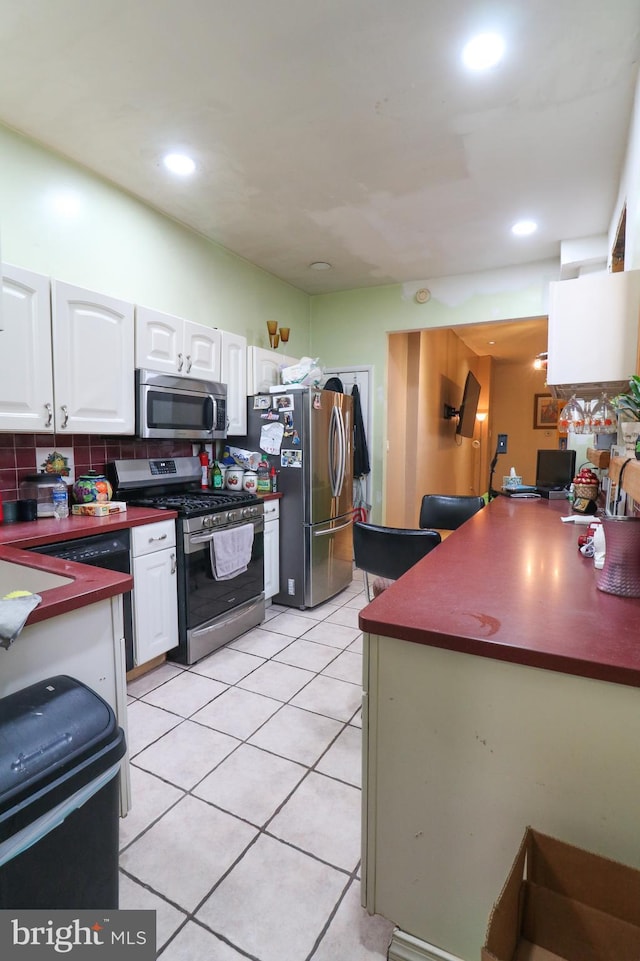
x=502 y=444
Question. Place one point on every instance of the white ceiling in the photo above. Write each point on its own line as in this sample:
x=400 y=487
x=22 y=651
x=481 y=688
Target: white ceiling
x=338 y=130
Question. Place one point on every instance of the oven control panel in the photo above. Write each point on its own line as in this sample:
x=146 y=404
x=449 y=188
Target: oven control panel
x=224 y=518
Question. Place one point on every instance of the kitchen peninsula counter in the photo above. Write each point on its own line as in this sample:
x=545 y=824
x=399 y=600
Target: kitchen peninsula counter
x=500 y=691
x=512 y=585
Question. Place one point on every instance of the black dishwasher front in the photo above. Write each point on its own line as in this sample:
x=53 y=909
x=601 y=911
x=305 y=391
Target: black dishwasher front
x=112 y=552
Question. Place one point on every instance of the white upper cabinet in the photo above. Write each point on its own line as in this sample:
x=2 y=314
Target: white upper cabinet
x=202 y=351
x=92 y=361
x=173 y=345
x=263 y=369
x=234 y=375
x=26 y=378
x=66 y=358
x=593 y=329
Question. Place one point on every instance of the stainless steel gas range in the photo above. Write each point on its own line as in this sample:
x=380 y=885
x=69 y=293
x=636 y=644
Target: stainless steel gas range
x=215 y=604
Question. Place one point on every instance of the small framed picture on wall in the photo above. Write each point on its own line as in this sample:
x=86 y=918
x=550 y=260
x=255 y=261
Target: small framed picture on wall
x=545 y=412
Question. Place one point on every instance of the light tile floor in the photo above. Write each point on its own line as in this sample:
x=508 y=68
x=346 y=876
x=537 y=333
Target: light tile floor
x=244 y=835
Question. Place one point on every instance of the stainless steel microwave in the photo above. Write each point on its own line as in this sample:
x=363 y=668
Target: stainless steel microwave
x=179 y=407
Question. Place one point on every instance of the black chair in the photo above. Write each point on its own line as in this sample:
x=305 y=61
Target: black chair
x=447 y=511
x=388 y=552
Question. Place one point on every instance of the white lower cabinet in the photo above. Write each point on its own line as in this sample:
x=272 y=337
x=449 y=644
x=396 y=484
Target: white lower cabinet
x=155 y=599
x=271 y=548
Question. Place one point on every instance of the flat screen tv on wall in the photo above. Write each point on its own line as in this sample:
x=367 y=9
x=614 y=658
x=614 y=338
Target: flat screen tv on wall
x=468 y=407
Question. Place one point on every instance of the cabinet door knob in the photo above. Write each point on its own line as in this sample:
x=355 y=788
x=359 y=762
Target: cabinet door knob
x=189 y=365
x=65 y=414
x=173 y=563
x=49 y=410
x=180 y=361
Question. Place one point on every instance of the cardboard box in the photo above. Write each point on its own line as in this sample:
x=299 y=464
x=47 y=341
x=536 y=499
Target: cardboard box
x=96 y=509
x=561 y=903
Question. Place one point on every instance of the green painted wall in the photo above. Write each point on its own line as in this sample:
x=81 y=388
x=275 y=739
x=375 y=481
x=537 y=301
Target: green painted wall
x=351 y=328
x=119 y=246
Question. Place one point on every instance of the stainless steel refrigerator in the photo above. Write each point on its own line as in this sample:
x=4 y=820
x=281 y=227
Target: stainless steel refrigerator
x=315 y=475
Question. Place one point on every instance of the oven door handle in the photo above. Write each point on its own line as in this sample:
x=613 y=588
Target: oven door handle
x=332 y=530
x=207 y=538
x=201 y=538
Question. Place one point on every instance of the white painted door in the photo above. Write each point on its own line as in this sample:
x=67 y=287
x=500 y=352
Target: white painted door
x=26 y=377
x=155 y=604
x=201 y=351
x=93 y=352
x=159 y=341
x=233 y=373
x=363 y=377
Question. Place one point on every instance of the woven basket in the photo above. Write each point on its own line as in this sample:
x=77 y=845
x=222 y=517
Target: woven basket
x=590 y=491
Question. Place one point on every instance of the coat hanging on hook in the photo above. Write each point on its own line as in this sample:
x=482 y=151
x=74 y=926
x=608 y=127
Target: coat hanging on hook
x=361 y=464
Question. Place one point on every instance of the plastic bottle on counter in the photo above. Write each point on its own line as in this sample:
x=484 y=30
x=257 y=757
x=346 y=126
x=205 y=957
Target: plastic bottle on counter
x=264 y=478
x=60 y=498
x=216 y=476
x=274 y=479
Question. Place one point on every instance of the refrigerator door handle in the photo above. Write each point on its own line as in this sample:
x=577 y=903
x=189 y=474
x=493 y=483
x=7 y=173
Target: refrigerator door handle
x=337 y=451
x=332 y=530
x=333 y=441
x=342 y=459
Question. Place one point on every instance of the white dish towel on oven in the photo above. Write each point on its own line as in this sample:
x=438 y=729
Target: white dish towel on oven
x=231 y=551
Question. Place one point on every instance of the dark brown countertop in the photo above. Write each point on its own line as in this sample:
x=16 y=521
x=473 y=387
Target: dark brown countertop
x=510 y=584
x=90 y=584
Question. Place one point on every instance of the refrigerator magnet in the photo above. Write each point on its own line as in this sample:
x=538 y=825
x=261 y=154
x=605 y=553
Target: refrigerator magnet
x=291 y=458
x=262 y=402
x=271 y=438
x=317 y=401
x=283 y=402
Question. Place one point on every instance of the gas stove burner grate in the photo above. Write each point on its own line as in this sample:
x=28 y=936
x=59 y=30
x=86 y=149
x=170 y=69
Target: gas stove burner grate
x=192 y=504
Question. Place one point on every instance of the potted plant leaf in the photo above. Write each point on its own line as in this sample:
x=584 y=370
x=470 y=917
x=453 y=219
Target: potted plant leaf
x=627 y=406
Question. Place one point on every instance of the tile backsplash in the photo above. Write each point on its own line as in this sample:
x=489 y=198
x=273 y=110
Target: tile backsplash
x=18 y=457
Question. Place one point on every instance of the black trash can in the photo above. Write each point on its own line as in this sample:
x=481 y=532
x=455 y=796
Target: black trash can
x=60 y=751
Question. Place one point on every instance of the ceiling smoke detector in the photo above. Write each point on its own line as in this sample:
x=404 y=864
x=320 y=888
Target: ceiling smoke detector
x=423 y=295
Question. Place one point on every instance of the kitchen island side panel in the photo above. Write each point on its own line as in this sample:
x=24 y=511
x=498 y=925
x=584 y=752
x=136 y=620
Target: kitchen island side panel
x=462 y=753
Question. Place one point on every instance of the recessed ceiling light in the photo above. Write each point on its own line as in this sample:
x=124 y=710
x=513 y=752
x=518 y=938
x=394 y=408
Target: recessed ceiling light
x=523 y=228
x=483 y=51
x=179 y=163
x=320 y=265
